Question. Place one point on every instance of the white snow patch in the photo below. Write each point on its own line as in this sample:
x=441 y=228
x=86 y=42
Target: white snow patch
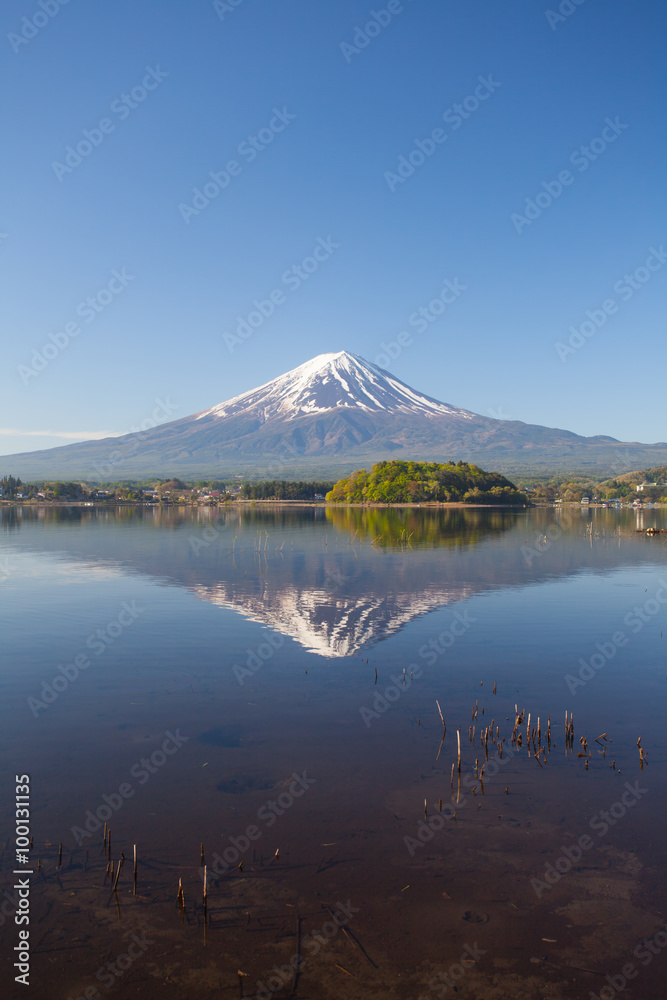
x=308 y=389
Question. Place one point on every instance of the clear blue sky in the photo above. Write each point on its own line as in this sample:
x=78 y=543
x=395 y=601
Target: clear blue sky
x=550 y=88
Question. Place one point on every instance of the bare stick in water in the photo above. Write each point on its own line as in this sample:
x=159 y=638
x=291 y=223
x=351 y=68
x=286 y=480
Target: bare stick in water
x=120 y=865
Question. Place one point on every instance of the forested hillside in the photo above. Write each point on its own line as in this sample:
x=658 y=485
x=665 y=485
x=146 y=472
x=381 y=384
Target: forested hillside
x=423 y=482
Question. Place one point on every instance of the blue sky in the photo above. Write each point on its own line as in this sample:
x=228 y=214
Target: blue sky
x=336 y=95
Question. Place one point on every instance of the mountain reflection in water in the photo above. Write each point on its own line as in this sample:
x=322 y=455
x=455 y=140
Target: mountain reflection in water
x=337 y=579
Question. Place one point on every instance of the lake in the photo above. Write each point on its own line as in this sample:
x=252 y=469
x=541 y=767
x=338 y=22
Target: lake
x=258 y=690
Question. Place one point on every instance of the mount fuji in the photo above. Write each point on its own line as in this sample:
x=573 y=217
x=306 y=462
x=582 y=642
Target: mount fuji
x=334 y=413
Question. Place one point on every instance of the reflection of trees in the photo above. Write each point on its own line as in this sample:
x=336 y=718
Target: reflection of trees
x=387 y=527
x=392 y=527
x=11 y=518
x=264 y=517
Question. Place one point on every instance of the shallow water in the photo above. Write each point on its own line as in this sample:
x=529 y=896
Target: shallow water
x=253 y=637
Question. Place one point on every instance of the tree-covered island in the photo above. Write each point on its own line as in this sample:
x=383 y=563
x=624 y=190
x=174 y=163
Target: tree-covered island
x=426 y=482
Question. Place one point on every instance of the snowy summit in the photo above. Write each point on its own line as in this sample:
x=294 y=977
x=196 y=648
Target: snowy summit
x=329 y=382
x=331 y=414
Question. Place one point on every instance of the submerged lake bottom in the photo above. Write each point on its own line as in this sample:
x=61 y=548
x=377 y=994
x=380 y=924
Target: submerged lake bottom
x=361 y=753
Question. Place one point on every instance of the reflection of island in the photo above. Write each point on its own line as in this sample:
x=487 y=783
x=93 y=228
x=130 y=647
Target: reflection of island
x=328 y=622
x=407 y=526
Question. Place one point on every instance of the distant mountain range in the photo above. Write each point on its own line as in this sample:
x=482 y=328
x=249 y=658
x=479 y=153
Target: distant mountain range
x=330 y=415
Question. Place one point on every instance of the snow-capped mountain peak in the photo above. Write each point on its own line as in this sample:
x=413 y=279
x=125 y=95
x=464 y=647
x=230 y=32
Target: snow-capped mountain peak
x=333 y=413
x=329 y=382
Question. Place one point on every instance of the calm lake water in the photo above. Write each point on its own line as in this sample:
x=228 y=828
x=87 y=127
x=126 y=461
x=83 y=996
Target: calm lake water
x=263 y=681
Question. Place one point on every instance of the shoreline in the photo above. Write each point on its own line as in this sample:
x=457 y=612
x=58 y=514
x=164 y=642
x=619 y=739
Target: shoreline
x=432 y=505
x=105 y=505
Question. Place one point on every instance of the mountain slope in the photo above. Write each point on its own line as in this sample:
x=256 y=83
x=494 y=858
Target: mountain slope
x=328 y=382
x=329 y=415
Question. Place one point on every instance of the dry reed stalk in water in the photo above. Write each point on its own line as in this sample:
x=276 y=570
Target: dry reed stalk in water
x=120 y=865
